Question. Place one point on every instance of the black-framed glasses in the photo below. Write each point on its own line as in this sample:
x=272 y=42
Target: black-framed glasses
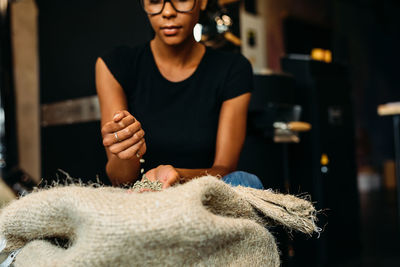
x=155 y=7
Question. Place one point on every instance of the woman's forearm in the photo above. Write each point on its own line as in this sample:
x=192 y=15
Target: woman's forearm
x=189 y=174
x=122 y=171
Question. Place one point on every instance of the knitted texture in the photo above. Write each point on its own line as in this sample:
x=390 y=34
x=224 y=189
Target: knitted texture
x=204 y=222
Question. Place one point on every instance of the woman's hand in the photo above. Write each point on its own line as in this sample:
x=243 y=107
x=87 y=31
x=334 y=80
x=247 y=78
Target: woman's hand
x=124 y=136
x=166 y=174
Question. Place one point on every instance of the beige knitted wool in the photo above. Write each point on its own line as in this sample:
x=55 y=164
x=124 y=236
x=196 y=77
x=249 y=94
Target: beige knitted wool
x=201 y=223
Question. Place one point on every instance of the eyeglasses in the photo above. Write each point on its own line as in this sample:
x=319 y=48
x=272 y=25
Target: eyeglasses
x=155 y=7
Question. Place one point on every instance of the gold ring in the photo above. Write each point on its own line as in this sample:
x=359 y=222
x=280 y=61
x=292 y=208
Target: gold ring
x=116 y=137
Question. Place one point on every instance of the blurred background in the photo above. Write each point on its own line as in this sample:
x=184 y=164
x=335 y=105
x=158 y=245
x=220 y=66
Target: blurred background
x=328 y=64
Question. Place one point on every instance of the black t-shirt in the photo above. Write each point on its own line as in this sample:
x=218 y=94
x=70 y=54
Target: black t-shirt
x=180 y=119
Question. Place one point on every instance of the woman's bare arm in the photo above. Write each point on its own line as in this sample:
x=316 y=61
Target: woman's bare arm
x=123 y=165
x=230 y=138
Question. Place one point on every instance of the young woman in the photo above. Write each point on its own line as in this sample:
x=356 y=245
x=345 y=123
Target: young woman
x=191 y=100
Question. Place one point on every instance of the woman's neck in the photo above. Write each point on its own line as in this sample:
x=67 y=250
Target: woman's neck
x=183 y=55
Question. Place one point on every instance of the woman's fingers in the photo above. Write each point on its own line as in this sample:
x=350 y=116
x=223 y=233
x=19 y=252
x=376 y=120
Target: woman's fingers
x=121 y=134
x=125 y=143
x=119 y=115
x=120 y=140
x=131 y=151
x=120 y=120
x=126 y=121
x=146 y=190
x=134 y=129
x=111 y=127
x=124 y=136
x=151 y=175
x=142 y=150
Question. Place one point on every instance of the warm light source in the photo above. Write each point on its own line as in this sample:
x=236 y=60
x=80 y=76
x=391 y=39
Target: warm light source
x=197 y=32
x=320 y=54
x=324 y=159
x=328 y=56
x=223 y=23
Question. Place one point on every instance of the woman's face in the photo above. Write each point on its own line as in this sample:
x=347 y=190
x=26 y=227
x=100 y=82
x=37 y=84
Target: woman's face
x=173 y=27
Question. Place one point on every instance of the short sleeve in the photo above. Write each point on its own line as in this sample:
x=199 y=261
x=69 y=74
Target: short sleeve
x=119 y=62
x=239 y=79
